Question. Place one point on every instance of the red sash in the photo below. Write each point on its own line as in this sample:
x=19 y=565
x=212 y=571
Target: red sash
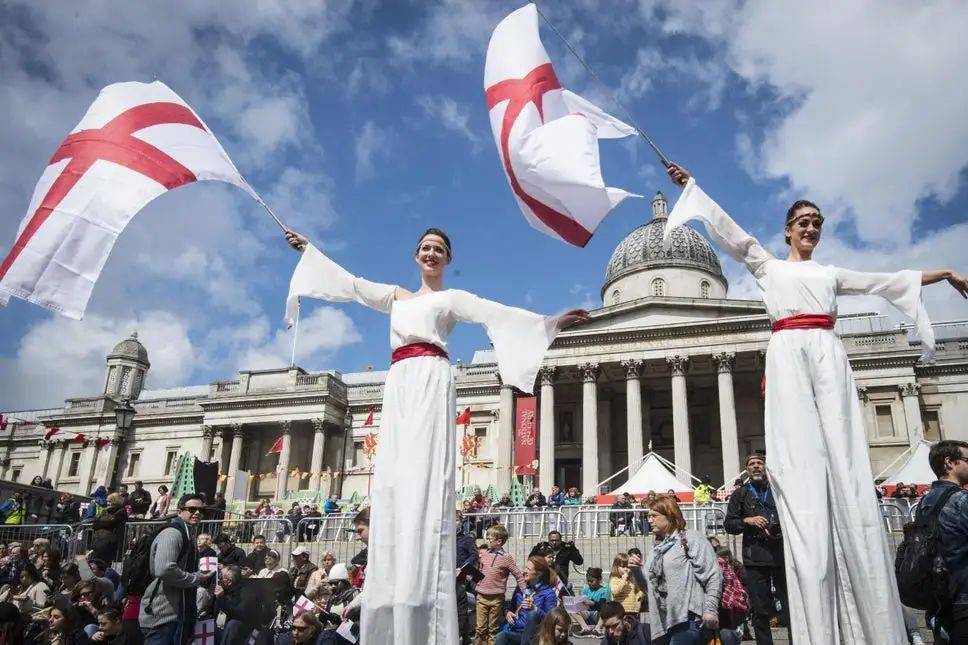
x=414 y=350
x=804 y=321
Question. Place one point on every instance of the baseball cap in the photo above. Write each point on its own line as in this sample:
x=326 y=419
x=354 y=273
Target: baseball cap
x=300 y=550
x=338 y=572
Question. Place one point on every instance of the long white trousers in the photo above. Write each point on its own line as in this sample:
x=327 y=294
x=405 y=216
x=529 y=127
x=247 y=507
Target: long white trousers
x=840 y=573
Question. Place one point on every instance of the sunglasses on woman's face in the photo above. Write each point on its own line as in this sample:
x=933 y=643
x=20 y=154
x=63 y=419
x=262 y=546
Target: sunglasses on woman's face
x=194 y=509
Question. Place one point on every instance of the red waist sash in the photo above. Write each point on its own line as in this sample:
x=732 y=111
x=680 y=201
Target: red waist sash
x=413 y=350
x=804 y=321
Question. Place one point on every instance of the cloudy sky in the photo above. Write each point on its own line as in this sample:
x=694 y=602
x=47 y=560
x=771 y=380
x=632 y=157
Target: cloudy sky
x=363 y=123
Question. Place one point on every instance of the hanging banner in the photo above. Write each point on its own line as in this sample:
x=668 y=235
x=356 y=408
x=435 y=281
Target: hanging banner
x=525 y=435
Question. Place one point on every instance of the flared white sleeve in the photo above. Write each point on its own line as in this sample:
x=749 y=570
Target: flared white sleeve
x=317 y=276
x=521 y=338
x=693 y=204
x=901 y=289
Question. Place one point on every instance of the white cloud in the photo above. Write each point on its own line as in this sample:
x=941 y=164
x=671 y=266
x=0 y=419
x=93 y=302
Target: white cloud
x=321 y=332
x=304 y=201
x=453 y=32
x=372 y=144
x=453 y=116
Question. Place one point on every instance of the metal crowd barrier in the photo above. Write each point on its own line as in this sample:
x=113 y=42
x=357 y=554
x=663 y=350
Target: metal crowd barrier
x=896 y=514
x=334 y=527
x=520 y=522
x=61 y=536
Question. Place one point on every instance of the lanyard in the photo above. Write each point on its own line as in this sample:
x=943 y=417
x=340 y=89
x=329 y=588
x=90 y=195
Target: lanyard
x=766 y=494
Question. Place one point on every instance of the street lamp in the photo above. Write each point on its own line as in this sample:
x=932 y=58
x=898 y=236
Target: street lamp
x=124 y=416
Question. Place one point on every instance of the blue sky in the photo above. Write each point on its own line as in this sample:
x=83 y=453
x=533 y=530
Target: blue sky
x=363 y=123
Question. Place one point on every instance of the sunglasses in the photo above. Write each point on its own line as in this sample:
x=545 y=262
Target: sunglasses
x=194 y=509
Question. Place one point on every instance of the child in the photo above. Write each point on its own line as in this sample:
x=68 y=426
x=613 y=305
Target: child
x=623 y=589
x=554 y=628
x=595 y=592
x=496 y=565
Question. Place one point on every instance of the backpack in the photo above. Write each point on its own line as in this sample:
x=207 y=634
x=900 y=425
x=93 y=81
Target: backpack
x=734 y=598
x=923 y=581
x=137 y=564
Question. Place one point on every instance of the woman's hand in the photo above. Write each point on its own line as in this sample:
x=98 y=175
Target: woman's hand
x=296 y=240
x=678 y=174
x=572 y=317
x=959 y=282
x=710 y=620
x=509 y=617
x=527 y=604
x=635 y=560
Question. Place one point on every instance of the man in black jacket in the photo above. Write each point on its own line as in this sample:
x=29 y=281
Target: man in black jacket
x=246 y=603
x=752 y=513
x=228 y=553
x=466 y=557
x=140 y=500
x=565 y=553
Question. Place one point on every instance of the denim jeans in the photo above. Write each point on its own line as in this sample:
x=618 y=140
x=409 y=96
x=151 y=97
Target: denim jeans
x=162 y=635
x=687 y=633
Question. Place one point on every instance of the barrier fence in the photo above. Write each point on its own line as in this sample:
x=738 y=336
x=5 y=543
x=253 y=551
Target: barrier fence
x=61 y=536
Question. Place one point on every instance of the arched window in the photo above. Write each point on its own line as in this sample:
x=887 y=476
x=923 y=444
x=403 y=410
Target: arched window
x=658 y=287
x=704 y=289
x=615 y=295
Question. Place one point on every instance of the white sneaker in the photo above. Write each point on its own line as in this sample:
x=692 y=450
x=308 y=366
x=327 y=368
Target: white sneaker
x=916 y=639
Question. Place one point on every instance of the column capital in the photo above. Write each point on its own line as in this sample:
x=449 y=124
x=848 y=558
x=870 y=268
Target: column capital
x=318 y=424
x=548 y=375
x=725 y=361
x=238 y=430
x=678 y=364
x=910 y=389
x=286 y=426
x=589 y=372
x=208 y=431
x=633 y=368
x=863 y=393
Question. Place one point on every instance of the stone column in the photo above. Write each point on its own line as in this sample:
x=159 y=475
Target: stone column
x=589 y=428
x=60 y=464
x=208 y=437
x=90 y=452
x=680 y=413
x=238 y=436
x=546 y=430
x=282 y=479
x=48 y=449
x=633 y=412
x=505 y=441
x=319 y=450
x=111 y=451
x=224 y=449
x=727 y=415
x=912 y=411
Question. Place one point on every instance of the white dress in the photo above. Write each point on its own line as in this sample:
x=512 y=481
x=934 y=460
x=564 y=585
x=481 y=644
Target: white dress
x=840 y=573
x=409 y=595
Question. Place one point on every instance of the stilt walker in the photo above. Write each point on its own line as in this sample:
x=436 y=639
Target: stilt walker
x=409 y=596
x=839 y=570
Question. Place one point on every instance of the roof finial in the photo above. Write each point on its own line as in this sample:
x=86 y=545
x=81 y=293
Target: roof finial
x=134 y=334
x=660 y=208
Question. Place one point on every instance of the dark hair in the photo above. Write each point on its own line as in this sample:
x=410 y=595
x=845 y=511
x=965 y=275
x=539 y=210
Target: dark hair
x=223 y=538
x=725 y=553
x=97 y=562
x=611 y=609
x=31 y=570
x=187 y=497
x=363 y=517
x=433 y=230
x=111 y=614
x=797 y=205
x=163 y=487
x=257 y=537
x=233 y=571
x=550 y=533
x=635 y=551
x=948 y=449
x=555 y=617
x=594 y=572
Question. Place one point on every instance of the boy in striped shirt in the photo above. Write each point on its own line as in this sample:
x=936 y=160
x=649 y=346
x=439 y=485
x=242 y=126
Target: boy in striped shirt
x=496 y=565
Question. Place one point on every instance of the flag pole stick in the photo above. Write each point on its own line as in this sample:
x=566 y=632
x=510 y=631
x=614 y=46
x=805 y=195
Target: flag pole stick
x=628 y=115
x=284 y=228
x=295 y=333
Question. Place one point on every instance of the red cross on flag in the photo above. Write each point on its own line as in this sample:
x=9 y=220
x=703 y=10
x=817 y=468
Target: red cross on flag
x=136 y=141
x=204 y=633
x=547 y=136
x=301 y=605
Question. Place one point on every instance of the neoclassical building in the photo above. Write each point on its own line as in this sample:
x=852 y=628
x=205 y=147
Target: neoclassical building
x=668 y=361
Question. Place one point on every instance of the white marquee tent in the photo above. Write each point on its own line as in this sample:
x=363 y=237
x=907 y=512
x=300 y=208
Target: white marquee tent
x=912 y=470
x=654 y=474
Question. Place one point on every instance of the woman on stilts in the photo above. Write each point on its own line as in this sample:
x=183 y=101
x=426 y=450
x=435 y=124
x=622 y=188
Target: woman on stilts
x=409 y=593
x=839 y=571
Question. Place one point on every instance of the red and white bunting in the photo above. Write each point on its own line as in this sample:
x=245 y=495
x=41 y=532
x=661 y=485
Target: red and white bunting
x=50 y=433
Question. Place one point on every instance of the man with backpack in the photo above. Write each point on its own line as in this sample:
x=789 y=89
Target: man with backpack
x=167 y=614
x=948 y=500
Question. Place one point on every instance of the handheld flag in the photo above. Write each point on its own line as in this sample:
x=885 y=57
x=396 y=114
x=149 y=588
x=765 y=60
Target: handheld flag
x=547 y=137
x=136 y=142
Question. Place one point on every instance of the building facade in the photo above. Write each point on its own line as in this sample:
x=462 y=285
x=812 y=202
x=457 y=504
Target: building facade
x=668 y=362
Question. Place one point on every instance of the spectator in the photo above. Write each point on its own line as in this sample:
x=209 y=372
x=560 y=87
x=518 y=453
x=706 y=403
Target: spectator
x=12 y=564
x=66 y=511
x=108 y=529
x=596 y=594
x=306 y=629
x=110 y=629
x=536 y=499
x=294 y=516
x=204 y=545
x=140 y=500
x=317 y=589
x=531 y=605
x=228 y=553
x=68 y=578
x=311 y=522
x=621 y=522
x=330 y=506
x=734 y=596
x=36 y=550
x=257 y=559
x=704 y=492
x=466 y=558
x=301 y=568
x=752 y=513
x=13 y=625
x=240 y=599
x=99 y=502
x=620 y=629
x=622 y=588
x=479 y=503
x=63 y=627
x=504 y=502
x=167 y=612
x=899 y=491
x=102 y=569
x=573 y=498
x=565 y=554
x=554 y=628
x=681 y=576
x=159 y=508
x=89 y=598
x=361 y=526
x=343 y=596
x=34 y=593
x=557 y=497
x=218 y=507
x=949 y=461
x=281 y=582
x=497 y=566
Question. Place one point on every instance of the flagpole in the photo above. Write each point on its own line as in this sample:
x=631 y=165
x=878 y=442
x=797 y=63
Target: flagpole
x=295 y=333
x=628 y=115
x=284 y=228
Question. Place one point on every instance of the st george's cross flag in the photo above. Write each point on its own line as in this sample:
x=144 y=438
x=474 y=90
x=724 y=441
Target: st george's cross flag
x=136 y=141
x=547 y=137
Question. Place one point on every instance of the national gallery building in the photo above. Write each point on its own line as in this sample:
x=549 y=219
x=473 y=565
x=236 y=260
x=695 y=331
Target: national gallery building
x=668 y=361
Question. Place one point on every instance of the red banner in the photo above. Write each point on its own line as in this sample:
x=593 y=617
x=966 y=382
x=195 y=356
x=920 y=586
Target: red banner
x=526 y=435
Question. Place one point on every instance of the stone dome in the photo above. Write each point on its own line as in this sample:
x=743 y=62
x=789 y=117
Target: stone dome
x=642 y=249
x=130 y=348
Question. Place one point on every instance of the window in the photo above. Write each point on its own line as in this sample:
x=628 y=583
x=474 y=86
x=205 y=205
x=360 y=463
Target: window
x=932 y=425
x=658 y=287
x=480 y=436
x=358 y=456
x=615 y=295
x=704 y=289
x=15 y=476
x=125 y=381
x=74 y=464
x=885 y=421
x=171 y=461
x=133 y=460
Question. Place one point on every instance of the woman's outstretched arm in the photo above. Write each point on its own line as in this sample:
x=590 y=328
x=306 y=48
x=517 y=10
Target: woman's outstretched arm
x=957 y=280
